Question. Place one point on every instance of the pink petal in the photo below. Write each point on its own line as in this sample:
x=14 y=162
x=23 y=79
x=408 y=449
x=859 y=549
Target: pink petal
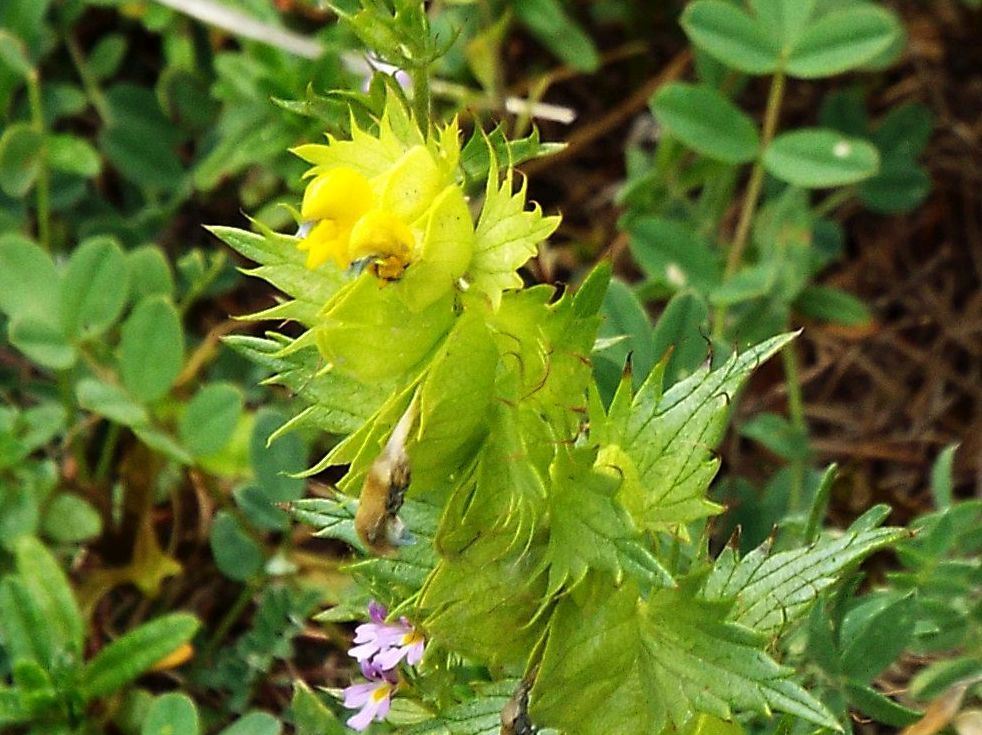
x=415 y=654
x=362 y=719
x=363 y=652
x=389 y=658
x=357 y=694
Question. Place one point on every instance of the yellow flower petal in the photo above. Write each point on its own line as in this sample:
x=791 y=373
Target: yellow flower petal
x=326 y=240
x=384 y=236
x=341 y=194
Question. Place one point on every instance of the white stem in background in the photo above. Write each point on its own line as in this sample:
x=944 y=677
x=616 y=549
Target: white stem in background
x=236 y=22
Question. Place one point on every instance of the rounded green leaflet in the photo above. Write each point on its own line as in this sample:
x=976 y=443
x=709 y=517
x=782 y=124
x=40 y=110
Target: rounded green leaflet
x=73 y=155
x=731 y=35
x=42 y=340
x=818 y=158
x=172 y=714
x=13 y=54
x=210 y=418
x=842 y=40
x=254 y=723
x=900 y=186
x=70 y=518
x=110 y=401
x=21 y=153
x=785 y=20
x=707 y=122
x=275 y=462
x=95 y=287
x=29 y=281
x=236 y=554
x=150 y=272
x=151 y=349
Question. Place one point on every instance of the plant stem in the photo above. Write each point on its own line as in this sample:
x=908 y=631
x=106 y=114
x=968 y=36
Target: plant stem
x=833 y=201
x=796 y=412
x=89 y=82
x=421 y=98
x=754 y=185
x=108 y=450
x=42 y=188
x=228 y=620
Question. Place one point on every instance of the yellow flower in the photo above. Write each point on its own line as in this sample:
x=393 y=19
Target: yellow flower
x=391 y=199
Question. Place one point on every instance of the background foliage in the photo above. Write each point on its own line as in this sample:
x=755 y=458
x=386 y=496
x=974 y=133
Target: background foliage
x=748 y=168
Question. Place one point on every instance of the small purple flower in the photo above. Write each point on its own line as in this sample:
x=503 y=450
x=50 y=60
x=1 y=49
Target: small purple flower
x=371 y=698
x=409 y=646
x=386 y=644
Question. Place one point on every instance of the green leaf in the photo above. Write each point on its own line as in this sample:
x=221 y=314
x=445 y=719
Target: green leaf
x=309 y=714
x=673 y=657
x=476 y=155
x=95 y=287
x=21 y=154
x=133 y=653
x=163 y=443
x=237 y=555
x=880 y=707
x=151 y=349
x=73 y=155
x=777 y=434
x=672 y=254
x=29 y=281
x=941 y=477
x=842 y=40
x=663 y=445
x=42 y=340
x=548 y=22
x=12 y=711
x=276 y=460
x=771 y=591
x=682 y=329
x=476 y=715
x=26 y=635
x=107 y=55
x=140 y=141
x=785 y=20
x=731 y=35
x=900 y=186
x=874 y=633
x=210 y=418
x=70 y=518
x=624 y=316
x=149 y=273
x=13 y=53
x=254 y=723
x=259 y=509
x=110 y=401
x=904 y=131
x=48 y=587
x=588 y=528
x=833 y=305
x=172 y=714
x=507 y=235
x=454 y=401
x=490 y=587
x=706 y=121
x=747 y=284
x=818 y=158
